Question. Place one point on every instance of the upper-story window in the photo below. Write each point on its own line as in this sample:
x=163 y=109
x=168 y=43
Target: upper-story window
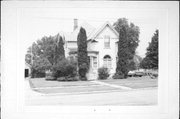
x=106 y=41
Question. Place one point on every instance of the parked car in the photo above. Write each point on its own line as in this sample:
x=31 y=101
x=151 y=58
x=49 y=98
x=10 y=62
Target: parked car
x=131 y=73
x=135 y=73
x=139 y=73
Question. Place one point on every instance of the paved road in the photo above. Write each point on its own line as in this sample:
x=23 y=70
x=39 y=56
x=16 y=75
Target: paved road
x=127 y=97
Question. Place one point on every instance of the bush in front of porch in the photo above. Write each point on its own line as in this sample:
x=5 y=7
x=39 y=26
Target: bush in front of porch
x=103 y=73
x=118 y=75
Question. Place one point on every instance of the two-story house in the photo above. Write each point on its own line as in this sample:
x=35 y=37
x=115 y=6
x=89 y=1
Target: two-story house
x=102 y=46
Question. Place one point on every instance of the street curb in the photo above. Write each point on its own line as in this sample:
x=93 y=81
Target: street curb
x=65 y=87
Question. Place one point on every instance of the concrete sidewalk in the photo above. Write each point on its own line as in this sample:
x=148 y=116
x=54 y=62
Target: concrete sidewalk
x=112 y=85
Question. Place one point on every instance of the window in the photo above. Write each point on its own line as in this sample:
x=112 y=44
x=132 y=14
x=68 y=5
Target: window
x=94 y=62
x=106 y=41
x=107 y=61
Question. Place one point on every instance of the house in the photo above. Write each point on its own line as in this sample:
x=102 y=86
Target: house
x=101 y=46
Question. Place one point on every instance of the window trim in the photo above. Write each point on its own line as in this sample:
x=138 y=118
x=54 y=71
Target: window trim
x=93 y=61
x=107 y=37
x=107 y=62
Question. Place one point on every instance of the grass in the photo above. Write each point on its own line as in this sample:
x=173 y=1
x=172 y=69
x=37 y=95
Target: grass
x=134 y=82
x=41 y=82
x=43 y=86
x=71 y=90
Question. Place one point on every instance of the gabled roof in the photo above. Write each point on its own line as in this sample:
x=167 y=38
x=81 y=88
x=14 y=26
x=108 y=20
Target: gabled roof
x=99 y=30
x=91 y=32
x=73 y=36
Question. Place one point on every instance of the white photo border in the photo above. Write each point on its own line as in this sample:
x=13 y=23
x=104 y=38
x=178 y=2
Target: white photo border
x=13 y=95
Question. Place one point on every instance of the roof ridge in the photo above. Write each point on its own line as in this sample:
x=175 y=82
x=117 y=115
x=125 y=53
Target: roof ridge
x=102 y=27
x=91 y=31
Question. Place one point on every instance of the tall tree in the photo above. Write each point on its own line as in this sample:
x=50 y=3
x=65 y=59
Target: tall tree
x=45 y=53
x=82 y=54
x=131 y=40
x=151 y=59
x=122 y=64
x=137 y=61
x=132 y=33
x=145 y=63
x=59 y=48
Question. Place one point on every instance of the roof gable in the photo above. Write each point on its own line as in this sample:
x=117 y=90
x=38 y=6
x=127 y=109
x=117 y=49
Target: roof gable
x=98 y=31
x=91 y=32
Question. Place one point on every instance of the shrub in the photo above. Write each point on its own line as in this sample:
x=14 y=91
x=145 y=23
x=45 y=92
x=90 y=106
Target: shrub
x=37 y=73
x=118 y=76
x=71 y=70
x=72 y=78
x=82 y=71
x=103 y=73
x=68 y=78
x=61 y=79
x=50 y=75
x=65 y=68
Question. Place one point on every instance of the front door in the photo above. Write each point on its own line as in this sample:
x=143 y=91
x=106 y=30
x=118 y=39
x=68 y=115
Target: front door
x=93 y=67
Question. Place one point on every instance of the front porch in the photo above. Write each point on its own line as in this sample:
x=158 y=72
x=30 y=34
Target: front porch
x=93 y=65
x=93 y=57
x=96 y=62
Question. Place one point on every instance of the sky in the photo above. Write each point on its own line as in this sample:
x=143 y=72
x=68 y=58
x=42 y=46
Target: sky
x=36 y=23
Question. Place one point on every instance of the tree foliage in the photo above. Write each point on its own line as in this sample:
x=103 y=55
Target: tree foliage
x=123 y=54
x=145 y=63
x=151 y=59
x=45 y=53
x=65 y=68
x=132 y=34
x=82 y=54
x=128 y=42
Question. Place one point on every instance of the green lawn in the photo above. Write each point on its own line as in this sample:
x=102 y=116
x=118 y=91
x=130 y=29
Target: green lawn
x=134 y=82
x=41 y=82
x=49 y=87
x=73 y=90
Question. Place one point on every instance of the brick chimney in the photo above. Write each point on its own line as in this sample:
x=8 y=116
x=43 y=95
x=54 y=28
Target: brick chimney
x=75 y=23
